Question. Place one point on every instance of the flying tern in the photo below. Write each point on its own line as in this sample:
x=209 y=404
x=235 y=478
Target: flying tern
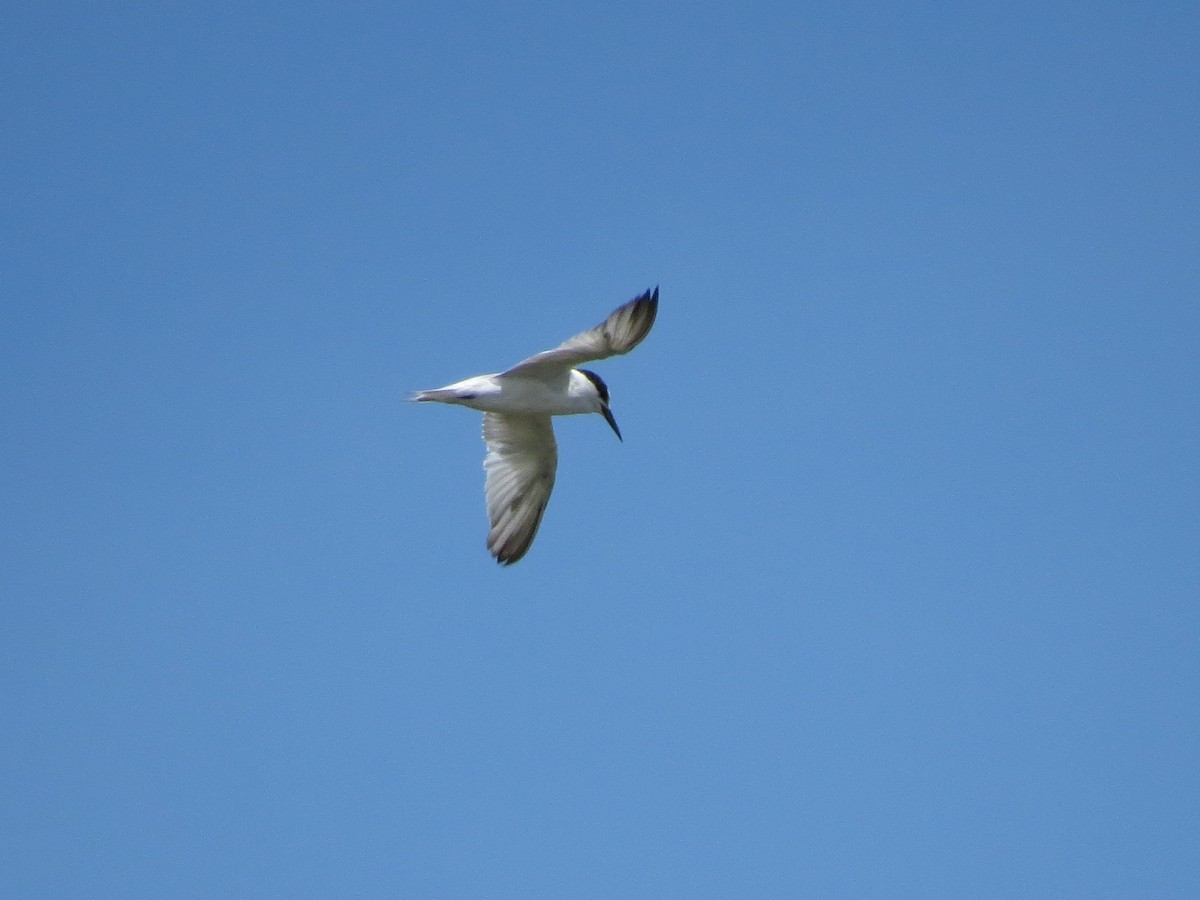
x=517 y=405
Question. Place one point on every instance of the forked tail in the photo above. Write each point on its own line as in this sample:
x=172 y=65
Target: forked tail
x=438 y=396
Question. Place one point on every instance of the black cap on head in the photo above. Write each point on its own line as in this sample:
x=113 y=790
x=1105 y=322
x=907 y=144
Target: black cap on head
x=601 y=387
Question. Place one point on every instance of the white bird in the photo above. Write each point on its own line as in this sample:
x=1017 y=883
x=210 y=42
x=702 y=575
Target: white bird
x=517 y=405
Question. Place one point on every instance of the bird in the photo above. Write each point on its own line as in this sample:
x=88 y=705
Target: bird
x=517 y=406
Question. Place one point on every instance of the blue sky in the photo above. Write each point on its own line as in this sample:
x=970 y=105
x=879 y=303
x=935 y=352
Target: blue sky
x=891 y=590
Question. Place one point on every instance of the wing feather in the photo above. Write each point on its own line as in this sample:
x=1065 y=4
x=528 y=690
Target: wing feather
x=623 y=330
x=521 y=462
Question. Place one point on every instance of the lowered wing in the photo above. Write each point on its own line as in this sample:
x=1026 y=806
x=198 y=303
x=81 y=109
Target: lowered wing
x=521 y=461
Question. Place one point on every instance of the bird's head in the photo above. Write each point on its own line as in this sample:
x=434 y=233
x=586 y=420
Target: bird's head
x=600 y=399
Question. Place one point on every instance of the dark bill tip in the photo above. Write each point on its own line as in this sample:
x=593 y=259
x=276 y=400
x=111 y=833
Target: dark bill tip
x=608 y=417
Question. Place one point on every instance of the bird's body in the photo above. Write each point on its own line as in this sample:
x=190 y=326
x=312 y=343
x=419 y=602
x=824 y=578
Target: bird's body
x=560 y=394
x=517 y=405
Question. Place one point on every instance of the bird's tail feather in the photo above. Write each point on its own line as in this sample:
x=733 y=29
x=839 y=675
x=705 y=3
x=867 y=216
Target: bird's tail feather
x=437 y=395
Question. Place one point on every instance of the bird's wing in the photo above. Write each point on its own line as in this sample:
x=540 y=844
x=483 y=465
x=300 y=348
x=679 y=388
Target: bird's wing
x=521 y=460
x=619 y=333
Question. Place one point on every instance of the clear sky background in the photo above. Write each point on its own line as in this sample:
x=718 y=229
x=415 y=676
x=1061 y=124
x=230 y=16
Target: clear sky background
x=891 y=590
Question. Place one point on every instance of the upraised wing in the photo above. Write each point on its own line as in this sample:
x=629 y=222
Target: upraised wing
x=623 y=330
x=521 y=461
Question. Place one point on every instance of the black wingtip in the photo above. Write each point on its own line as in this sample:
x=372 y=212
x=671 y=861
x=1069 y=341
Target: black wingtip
x=646 y=306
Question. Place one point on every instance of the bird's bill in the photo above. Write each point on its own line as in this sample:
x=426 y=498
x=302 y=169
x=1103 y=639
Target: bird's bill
x=608 y=417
